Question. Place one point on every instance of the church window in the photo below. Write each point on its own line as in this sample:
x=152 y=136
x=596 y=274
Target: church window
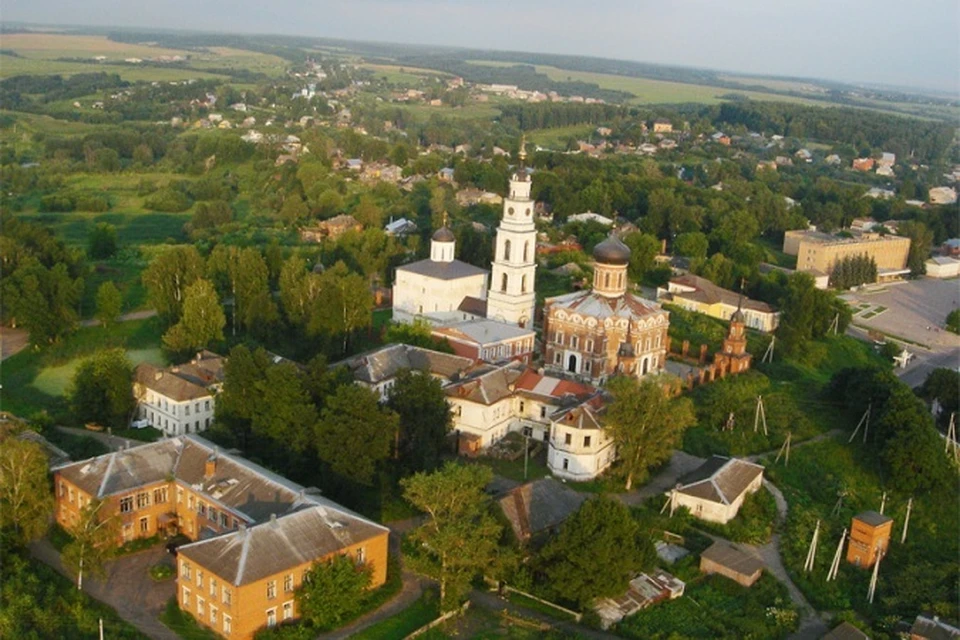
x=503 y=283
x=588 y=346
x=574 y=342
x=527 y=211
x=558 y=337
x=586 y=441
x=526 y=249
x=586 y=366
x=648 y=345
x=620 y=280
x=523 y=284
x=606 y=280
x=567 y=438
x=658 y=341
x=556 y=358
x=510 y=211
x=506 y=250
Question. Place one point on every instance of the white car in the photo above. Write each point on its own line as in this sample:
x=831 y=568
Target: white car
x=142 y=423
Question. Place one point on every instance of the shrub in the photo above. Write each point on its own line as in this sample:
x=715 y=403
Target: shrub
x=169 y=200
x=161 y=571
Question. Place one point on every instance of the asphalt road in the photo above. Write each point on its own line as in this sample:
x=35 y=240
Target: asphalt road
x=925 y=362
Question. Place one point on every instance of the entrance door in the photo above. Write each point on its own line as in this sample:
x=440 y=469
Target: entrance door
x=572 y=364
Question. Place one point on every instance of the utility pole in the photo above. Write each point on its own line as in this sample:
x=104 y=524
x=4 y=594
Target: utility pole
x=784 y=449
x=768 y=354
x=906 y=521
x=883 y=502
x=731 y=420
x=873 y=578
x=835 y=565
x=835 y=325
x=951 y=440
x=812 y=552
x=865 y=423
x=760 y=415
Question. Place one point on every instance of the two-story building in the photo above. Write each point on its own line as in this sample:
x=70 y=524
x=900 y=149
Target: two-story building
x=180 y=399
x=377 y=369
x=255 y=532
x=488 y=340
x=580 y=448
x=697 y=294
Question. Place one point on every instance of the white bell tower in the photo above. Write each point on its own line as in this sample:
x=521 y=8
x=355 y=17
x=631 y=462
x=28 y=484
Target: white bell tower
x=511 y=297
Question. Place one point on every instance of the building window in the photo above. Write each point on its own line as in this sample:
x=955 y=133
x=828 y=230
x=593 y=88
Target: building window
x=186 y=598
x=658 y=341
x=521 y=406
x=223 y=520
x=71 y=495
x=543 y=412
x=61 y=488
x=288 y=583
x=523 y=284
x=558 y=338
x=196 y=407
x=526 y=245
x=361 y=555
x=586 y=366
x=126 y=504
x=226 y=596
x=588 y=345
x=574 y=342
x=185 y=570
x=288 y=610
x=206 y=405
x=556 y=358
x=186 y=410
x=199 y=578
x=160 y=495
x=213 y=588
x=227 y=624
x=202 y=508
x=586 y=441
x=200 y=606
x=213 y=515
x=213 y=615
x=566 y=463
x=506 y=250
x=190 y=502
x=567 y=438
x=272 y=617
x=503 y=283
x=144 y=524
x=271 y=590
x=179 y=495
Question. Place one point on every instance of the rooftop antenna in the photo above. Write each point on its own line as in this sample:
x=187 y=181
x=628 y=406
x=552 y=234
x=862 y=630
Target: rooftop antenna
x=768 y=354
x=835 y=565
x=784 y=451
x=865 y=422
x=873 y=578
x=759 y=416
x=812 y=552
x=906 y=521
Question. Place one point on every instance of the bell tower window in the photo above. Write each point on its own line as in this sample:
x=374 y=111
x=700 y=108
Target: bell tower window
x=503 y=283
x=506 y=250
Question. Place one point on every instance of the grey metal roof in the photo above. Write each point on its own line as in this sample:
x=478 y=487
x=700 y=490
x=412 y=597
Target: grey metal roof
x=384 y=363
x=538 y=506
x=484 y=331
x=443 y=270
x=846 y=631
x=720 y=479
x=727 y=555
x=873 y=518
x=933 y=629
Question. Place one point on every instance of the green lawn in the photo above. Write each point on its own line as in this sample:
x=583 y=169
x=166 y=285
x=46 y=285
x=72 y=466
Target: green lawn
x=405 y=622
x=125 y=275
x=133 y=228
x=556 y=138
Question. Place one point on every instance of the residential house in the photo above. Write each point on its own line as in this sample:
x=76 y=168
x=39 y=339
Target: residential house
x=805 y=155
x=885 y=170
x=951 y=248
x=400 y=227
x=354 y=164
x=484 y=340
x=537 y=509
x=721 y=138
x=667 y=143
x=662 y=126
x=697 y=294
x=942 y=267
x=716 y=489
x=445 y=174
x=943 y=195
x=255 y=532
x=887 y=159
x=590 y=216
x=727 y=560
x=330 y=229
x=833 y=159
x=846 y=631
x=471 y=196
x=377 y=369
x=766 y=165
x=644 y=591
x=863 y=164
x=927 y=628
x=580 y=448
x=604 y=132
x=179 y=399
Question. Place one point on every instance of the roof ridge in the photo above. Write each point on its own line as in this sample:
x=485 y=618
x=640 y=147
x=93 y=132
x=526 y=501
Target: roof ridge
x=106 y=474
x=242 y=562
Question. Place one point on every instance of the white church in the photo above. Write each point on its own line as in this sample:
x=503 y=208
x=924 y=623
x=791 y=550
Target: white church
x=443 y=290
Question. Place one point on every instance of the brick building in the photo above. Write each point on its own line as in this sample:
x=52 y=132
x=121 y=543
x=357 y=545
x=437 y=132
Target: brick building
x=820 y=252
x=869 y=538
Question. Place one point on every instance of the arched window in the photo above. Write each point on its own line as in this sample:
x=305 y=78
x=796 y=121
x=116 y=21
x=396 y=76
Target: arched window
x=503 y=282
x=606 y=280
x=523 y=284
x=526 y=249
x=620 y=280
x=506 y=250
x=572 y=364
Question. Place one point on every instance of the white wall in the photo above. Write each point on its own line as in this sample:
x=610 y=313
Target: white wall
x=176 y=418
x=416 y=294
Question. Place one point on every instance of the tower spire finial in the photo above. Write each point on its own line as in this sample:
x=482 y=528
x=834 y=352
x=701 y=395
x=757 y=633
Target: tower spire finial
x=523 y=149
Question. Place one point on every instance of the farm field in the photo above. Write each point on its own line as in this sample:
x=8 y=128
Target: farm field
x=227 y=57
x=398 y=74
x=52 y=45
x=11 y=66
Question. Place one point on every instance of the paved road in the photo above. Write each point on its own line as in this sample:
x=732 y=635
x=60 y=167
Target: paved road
x=126 y=587
x=923 y=363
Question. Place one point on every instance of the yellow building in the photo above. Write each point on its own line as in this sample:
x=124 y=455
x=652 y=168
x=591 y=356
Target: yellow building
x=697 y=294
x=819 y=252
x=256 y=532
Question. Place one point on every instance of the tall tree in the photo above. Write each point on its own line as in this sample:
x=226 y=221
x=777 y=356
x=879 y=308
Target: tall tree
x=333 y=591
x=425 y=420
x=645 y=424
x=643 y=252
x=343 y=305
x=102 y=389
x=202 y=320
x=109 y=303
x=95 y=536
x=298 y=290
x=168 y=277
x=239 y=399
x=921 y=239
x=43 y=300
x=103 y=241
x=599 y=549
x=460 y=540
x=285 y=413
x=25 y=499
x=355 y=433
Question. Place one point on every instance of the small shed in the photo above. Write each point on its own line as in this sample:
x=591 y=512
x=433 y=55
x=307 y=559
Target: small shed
x=727 y=560
x=869 y=538
x=846 y=631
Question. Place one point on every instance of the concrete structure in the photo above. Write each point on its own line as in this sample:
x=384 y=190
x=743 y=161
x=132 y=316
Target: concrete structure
x=179 y=399
x=377 y=370
x=256 y=533
x=697 y=294
x=943 y=195
x=819 y=252
x=869 y=538
x=434 y=289
x=511 y=297
x=662 y=126
x=943 y=267
x=727 y=560
x=580 y=448
x=597 y=333
x=590 y=216
x=715 y=491
x=489 y=341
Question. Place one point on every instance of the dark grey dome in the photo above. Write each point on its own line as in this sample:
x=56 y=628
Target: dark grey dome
x=738 y=316
x=443 y=234
x=612 y=251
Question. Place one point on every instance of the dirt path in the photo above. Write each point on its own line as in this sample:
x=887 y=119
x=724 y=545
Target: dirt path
x=410 y=592
x=143 y=314
x=793 y=445
x=12 y=341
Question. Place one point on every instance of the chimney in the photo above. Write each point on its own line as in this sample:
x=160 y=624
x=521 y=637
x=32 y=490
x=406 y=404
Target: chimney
x=157 y=375
x=211 y=467
x=273 y=519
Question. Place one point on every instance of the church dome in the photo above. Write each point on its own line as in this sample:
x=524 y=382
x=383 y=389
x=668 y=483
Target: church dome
x=738 y=316
x=443 y=234
x=612 y=251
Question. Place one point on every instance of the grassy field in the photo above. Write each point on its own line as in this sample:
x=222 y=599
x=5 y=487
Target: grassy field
x=57 y=45
x=397 y=74
x=556 y=138
x=12 y=66
x=132 y=227
x=472 y=111
x=400 y=625
x=226 y=57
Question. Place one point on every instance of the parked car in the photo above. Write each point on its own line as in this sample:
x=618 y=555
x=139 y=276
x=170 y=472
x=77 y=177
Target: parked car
x=142 y=423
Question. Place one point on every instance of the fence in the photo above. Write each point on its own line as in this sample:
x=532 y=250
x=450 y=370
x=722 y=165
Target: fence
x=573 y=614
x=438 y=621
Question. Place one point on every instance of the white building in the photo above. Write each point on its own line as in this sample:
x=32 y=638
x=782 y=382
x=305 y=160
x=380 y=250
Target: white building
x=943 y=195
x=943 y=267
x=580 y=448
x=590 y=216
x=435 y=289
x=716 y=489
x=179 y=399
x=377 y=370
x=511 y=297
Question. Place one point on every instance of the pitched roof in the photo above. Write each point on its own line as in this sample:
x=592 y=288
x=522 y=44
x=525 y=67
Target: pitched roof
x=592 y=304
x=251 y=554
x=720 y=479
x=846 y=631
x=473 y=305
x=483 y=331
x=933 y=629
x=538 y=506
x=533 y=384
x=443 y=270
x=488 y=385
x=729 y=556
x=586 y=415
x=873 y=518
x=709 y=293
x=188 y=381
x=384 y=363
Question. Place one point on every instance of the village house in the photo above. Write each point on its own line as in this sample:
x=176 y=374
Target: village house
x=537 y=509
x=400 y=227
x=715 y=490
x=727 y=560
x=662 y=126
x=943 y=195
x=471 y=196
x=942 y=267
x=255 y=533
x=488 y=340
x=330 y=229
x=179 y=399
x=377 y=369
x=590 y=216
x=845 y=631
x=863 y=164
x=933 y=628
x=697 y=294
